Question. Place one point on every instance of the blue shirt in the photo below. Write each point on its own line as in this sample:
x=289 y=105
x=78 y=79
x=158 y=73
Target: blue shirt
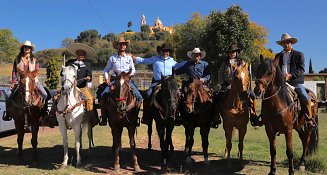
x=192 y=69
x=159 y=65
x=119 y=64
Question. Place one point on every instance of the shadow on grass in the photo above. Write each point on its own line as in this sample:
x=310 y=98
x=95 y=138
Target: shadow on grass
x=100 y=160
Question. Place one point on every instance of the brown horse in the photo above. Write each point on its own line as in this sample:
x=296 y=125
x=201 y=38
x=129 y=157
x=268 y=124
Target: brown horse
x=235 y=108
x=26 y=108
x=123 y=109
x=280 y=115
x=197 y=111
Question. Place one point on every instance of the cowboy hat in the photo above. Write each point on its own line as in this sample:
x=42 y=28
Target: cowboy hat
x=28 y=43
x=90 y=52
x=232 y=48
x=165 y=46
x=286 y=37
x=120 y=40
x=196 y=50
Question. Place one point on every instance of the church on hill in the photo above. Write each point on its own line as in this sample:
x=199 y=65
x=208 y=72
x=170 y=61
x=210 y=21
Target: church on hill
x=158 y=26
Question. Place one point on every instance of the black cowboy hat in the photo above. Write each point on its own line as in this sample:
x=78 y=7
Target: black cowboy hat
x=232 y=48
x=165 y=46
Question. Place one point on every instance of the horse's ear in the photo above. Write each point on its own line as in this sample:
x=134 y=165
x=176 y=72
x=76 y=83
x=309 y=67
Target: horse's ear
x=261 y=58
x=173 y=72
x=162 y=77
x=35 y=72
x=116 y=72
x=246 y=66
x=276 y=61
x=129 y=72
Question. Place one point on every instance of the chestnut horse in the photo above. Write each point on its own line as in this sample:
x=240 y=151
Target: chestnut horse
x=279 y=114
x=197 y=109
x=26 y=108
x=123 y=109
x=235 y=108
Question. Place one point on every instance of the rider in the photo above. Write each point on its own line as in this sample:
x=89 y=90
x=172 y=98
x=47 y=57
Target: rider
x=291 y=63
x=197 y=68
x=162 y=66
x=117 y=63
x=84 y=75
x=225 y=76
x=26 y=60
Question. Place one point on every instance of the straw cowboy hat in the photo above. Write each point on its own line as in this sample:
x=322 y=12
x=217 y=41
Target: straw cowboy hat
x=196 y=50
x=232 y=48
x=286 y=37
x=28 y=43
x=120 y=40
x=165 y=46
x=90 y=52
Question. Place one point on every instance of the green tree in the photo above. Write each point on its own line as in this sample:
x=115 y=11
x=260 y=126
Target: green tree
x=52 y=74
x=110 y=37
x=66 y=42
x=90 y=37
x=8 y=46
x=310 y=67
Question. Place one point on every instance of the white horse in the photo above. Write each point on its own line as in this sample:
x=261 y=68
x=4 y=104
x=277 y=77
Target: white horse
x=70 y=113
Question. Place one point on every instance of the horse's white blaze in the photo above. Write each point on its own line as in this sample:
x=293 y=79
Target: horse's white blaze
x=122 y=81
x=242 y=75
x=27 y=91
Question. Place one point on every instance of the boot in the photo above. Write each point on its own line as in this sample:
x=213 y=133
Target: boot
x=254 y=119
x=146 y=112
x=310 y=123
x=104 y=114
x=7 y=116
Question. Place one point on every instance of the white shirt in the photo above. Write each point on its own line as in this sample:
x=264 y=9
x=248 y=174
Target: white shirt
x=286 y=62
x=119 y=64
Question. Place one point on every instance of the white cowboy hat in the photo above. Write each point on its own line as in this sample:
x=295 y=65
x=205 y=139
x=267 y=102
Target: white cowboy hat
x=196 y=50
x=28 y=43
x=120 y=40
x=90 y=52
x=286 y=37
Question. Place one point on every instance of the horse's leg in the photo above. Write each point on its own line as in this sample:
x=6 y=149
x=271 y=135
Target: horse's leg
x=131 y=134
x=20 y=139
x=78 y=131
x=187 y=138
x=63 y=131
x=150 y=134
x=163 y=145
x=116 y=134
x=241 y=134
x=305 y=139
x=228 y=136
x=204 y=131
x=272 y=142
x=289 y=151
x=35 y=130
x=190 y=144
x=170 y=140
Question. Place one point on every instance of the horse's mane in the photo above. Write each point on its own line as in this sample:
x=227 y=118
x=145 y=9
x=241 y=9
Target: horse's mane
x=266 y=68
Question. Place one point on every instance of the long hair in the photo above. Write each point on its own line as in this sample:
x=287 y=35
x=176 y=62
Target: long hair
x=21 y=54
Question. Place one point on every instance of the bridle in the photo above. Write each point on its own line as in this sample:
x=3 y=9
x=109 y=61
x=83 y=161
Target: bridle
x=266 y=86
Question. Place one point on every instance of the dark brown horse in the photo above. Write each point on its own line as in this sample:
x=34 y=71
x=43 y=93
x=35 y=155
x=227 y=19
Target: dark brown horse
x=164 y=104
x=235 y=109
x=280 y=115
x=123 y=109
x=26 y=108
x=197 y=111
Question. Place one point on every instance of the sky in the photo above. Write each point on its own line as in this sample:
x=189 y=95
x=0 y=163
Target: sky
x=47 y=23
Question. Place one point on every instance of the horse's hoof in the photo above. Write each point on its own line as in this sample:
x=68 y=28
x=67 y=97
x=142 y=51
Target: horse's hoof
x=33 y=165
x=63 y=166
x=164 y=168
x=272 y=173
x=117 y=167
x=137 y=168
x=188 y=160
x=206 y=161
x=78 y=165
x=302 y=168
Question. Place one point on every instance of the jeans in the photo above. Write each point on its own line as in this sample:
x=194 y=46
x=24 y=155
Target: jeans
x=149 y=91
x=43 y=91
x=301 y=92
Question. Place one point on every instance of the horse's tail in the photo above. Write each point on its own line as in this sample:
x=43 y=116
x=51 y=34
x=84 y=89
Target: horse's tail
x=91 y=135
x=314 y=139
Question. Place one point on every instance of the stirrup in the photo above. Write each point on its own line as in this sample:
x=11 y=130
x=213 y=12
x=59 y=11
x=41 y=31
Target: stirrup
x=27 y=129
x=214 y=125
x=6 y=117
x=255 y=120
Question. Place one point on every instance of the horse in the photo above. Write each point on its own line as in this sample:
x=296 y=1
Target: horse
x=123 y=109
x=235 y=109
x=280 y=114
x=164 y=105
x=25 y=107
x=70 y=113
x=197 y=109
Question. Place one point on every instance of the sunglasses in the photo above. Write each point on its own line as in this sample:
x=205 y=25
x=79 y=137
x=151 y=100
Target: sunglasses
x=27 y=47
x=122 y=44
x=165 y=50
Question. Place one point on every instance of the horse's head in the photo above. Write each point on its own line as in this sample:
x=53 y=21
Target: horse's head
x=192 y=91
x=170 y=95
x=240 y=81
x=27 y=84
x=68 y=79
x=121 y=90
x=265 y=74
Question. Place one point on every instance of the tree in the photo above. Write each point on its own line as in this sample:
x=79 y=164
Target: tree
x=129 y=25
x=90 y=37
x=8 y=46
x=52 y=74
x=110 y=37
x=310 y=67
x=66 y=42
